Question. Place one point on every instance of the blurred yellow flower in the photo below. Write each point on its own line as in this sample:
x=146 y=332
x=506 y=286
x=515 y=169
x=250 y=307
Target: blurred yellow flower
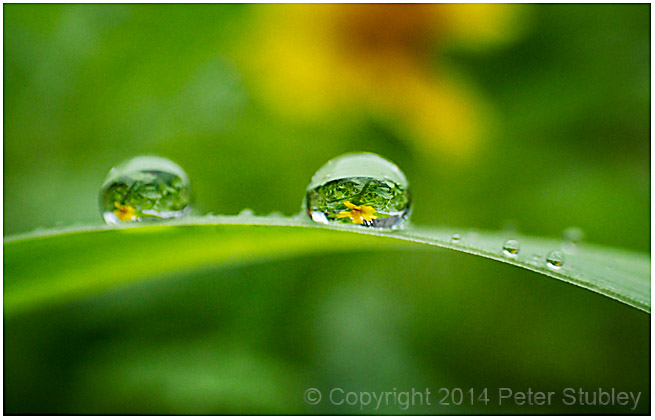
x=357 y=213
x=322 y=60
x=124 y=213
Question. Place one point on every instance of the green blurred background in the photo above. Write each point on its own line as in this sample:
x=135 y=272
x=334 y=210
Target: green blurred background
x=532 y=116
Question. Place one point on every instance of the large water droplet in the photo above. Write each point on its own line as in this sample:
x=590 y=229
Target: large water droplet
x=358 y=188
x=145 y=188
x=511 y=248
x=555 y=260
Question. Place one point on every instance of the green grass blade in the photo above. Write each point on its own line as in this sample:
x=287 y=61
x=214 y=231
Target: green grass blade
x=54 y=266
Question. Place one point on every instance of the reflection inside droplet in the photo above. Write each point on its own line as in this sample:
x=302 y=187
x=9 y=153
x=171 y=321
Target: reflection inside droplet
x=145 y=188
x=511 y=248
x=359 y=188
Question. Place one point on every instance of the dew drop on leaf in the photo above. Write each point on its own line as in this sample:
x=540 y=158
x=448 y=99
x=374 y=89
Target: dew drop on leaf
x=246 y=213
x=573 y=234
x=569 y=247
x=358 y=189
x=511 y=248
x=555 y=260
x=455 y=238
x=145 y=188
x=572 y=237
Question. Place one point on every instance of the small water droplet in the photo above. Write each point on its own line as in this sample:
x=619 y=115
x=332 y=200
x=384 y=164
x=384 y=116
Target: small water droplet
x=536 y=257
x=456 y=238
x=246 y=213
x=511 y=248
x=569 y=247
x=572 y=237
x=555 y=260
x=145 y=188
x=573 y=234
x=358 y=188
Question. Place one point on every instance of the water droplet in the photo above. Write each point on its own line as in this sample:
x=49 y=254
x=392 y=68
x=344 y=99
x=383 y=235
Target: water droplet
x=358 y=188
x=511 y=248
x=536 y=257
x=573 y=234
x=145 y=188
x=455 y=238
x=572 y=237
x=569 y=247
x=246 y=213
x=555 y=260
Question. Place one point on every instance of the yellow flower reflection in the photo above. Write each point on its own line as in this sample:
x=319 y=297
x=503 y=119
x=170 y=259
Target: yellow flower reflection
x=358 y=213
x=124 y=213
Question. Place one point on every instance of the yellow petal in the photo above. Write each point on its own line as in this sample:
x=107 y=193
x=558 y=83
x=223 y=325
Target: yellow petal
x=350 y=205
x=124 y=213
x=367 y=209
x=343 y=214
x=122 y=216
x=368 y=213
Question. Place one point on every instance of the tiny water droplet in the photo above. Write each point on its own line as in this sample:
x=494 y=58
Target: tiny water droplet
x=456 y=238
x=573 y=234
x=572 y=237
x=358 y=188
x=145 y=188
x=569 y=247
x=511 y=248
x=246 y=213
x=536 y=257
x=555 y=260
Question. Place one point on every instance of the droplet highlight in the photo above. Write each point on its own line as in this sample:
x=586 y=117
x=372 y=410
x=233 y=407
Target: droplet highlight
x=145 y=188
x=359 y=189
x=555 y=260
x=511 y=248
